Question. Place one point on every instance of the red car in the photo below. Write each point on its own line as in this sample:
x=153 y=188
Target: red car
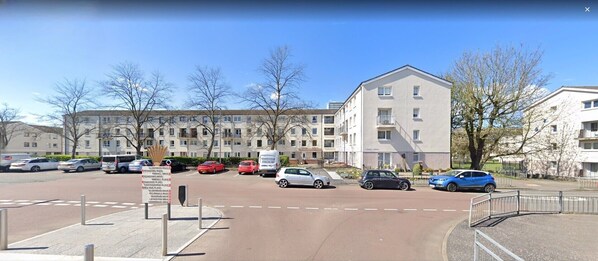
x=210 y=166
x=248 y=166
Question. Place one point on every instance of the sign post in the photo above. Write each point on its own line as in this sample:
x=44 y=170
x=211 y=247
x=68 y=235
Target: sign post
x=156 y=180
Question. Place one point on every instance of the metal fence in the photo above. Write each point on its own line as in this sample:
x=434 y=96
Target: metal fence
x=587 y=183
x=485 y=248
x=510 y=203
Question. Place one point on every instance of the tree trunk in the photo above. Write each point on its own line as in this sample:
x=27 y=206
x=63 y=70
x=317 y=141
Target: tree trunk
x=211 y=147
x=74 y=149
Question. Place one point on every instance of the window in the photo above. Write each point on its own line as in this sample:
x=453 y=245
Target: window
x=293 y=155
x=249 y=143
x=227 y=143
x=172 y=143
x=26 y=144
x=227 y=154
x=314 y=131
x=183 y=143
x=384 y=91
x=553 y=146
x=171 y=131
x=259 y=143
x=87 y=144
x=34 y=144
x=416 y=135
x=54 y=145
x=314 y=155
x=595 y=145
x=553 y=164
x=204 y=132
x=587 y=104
x=384 y=135
x=416 y=113
x=292 y=131
x=237 y=142
x=328 y=143
x=182 y=119
x=216 y=143
x=129 y=144
x=415 y=157
x=117 y=143
x=594 y=126
x=249 y=154
x=303 y=143
x=161 y=142
x=293 y=143
x=193 y=118
x=384 y=160
x=303 y=131
x=259 y=132
x=587 y=146
x=314 y=143
x=553 y=108
x=314 y=119
x=205 y=143
x=328 y=131
x=106 y=143
x=553 y=128
x=86 y=132
x=328 y=119
x=416 y=90
x=161 y=132
x=227 y=118
x=26 y=134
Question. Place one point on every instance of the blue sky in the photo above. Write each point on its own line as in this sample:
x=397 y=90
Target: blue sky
x=42 y=44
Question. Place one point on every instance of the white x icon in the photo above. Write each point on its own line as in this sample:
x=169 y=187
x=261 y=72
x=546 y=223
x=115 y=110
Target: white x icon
x=587 y=9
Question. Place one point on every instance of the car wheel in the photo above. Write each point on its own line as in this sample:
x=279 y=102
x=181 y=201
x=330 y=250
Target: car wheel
x=368 y=185
x=35 y=169
x=452 y=187
x=489 y=188
x=283 y=183
x=122 y=170
x=80 y=168
x=404 y=186
x=318 y=184
x=66 y=171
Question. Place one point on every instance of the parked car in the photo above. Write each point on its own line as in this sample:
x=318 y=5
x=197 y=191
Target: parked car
x=210 y=166
x=117 y=163
x=137 y=165
x=300 y=176
x=175 y=165
x=9 y=158
x=371 y=179
x=79 y=165
x=464 y=179
x=35 y=164
x=269 y=162
x=248 y=166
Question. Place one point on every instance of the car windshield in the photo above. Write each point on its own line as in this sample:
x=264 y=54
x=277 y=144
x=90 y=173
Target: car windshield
x=207 y=163
x=453 y=173
x=72 y=160
x=245 y=163
x=268 y=160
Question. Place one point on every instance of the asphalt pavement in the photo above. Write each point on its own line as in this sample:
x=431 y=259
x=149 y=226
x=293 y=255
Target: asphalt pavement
x=125 y=235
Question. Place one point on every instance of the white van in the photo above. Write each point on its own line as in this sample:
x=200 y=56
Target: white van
x=7 y=159
x=117 y=163
x=269 y=162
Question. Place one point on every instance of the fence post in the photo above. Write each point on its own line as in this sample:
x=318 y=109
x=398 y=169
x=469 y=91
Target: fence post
x=475 y=245
x=560 y=202
x=490 y=206
x=199 y=217
x=88 y=253
x=164 y=234
x=3 y=229
x=83 y=210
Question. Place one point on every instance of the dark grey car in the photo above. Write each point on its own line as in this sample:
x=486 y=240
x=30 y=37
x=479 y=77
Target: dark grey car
x=371 y=179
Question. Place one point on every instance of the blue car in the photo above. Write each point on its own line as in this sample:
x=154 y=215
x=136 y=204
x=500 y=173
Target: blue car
x=464 y=179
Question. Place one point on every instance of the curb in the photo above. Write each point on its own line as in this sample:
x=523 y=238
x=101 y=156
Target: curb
x=201 y=232
x=445 y=240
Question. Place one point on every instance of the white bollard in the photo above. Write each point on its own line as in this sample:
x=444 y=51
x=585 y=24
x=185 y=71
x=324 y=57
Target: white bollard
x=199 y=217
x=83 y=210
x=3 y=229
x=88 y=253
x=164 y=234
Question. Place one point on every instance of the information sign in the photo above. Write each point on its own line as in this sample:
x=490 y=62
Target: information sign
x=155 y=184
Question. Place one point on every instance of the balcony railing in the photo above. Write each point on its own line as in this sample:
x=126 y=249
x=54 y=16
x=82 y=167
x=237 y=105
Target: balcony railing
x=385 y=121
x=342 y=130
x=588 y=134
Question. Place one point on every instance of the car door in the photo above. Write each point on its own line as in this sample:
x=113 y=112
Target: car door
x=478 y=179
x=305 y=177
x=44 y=164
x=465 y=179
x=389 y=180
x=374 y=177
x=291 y=175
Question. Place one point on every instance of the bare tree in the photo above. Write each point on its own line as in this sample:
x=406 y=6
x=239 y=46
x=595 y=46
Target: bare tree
x=208 y=92
x=277 y=99
x=8 y=116
x=138 y=96
x=490 y=92
x=70 y=98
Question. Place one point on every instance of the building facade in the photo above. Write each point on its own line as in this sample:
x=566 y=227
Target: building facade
x=570 y=140
x=181 y=132
x=396 y=120
x=36 y=140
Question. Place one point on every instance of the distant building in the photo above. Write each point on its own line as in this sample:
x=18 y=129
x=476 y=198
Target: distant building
x=36 y=140
x=335 y=105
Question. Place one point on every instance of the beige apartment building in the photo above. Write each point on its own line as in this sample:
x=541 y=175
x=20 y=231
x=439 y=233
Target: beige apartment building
x=36 y=140
x=395 y=120
x=236 y=134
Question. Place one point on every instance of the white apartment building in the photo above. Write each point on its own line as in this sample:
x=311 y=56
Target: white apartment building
x=36 y=140
x=180 y=131
x=395 y=119
x=572 y=114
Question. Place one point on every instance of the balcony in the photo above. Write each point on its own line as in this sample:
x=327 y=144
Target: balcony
x=588 y=135
x=184 y=135
x=385 y=121
x=342 y=130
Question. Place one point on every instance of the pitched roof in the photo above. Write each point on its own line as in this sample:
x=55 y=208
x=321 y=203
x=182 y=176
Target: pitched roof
x=47 y=129
x=590 y=89
x=196 y=112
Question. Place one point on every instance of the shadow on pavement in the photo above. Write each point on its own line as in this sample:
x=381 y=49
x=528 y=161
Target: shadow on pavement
x=26 y=248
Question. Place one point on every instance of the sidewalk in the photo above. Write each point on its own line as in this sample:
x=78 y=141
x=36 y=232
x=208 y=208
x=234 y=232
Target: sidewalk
x=120 y=236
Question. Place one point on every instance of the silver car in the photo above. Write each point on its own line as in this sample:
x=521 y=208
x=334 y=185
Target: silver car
x=79 y=165
x=300 y=176
x=34 y=165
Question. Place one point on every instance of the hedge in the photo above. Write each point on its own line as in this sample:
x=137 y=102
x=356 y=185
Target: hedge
x=68 y=157
x=191 y=161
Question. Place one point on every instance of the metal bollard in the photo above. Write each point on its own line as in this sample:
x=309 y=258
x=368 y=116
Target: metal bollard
x=164 y=234
x=3 y=229
x=83 y=210
x=199 y=217
x=88 y=253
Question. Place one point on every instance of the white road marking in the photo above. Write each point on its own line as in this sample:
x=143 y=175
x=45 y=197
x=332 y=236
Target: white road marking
x=73 y=201
x=410 y=209
x=100 y=206
x=6 y=203
x=57 y=201
x=330 y=208
x=62 y=204
x=38 y=200
x=312 y=208
x=255 y=206
x=391 y=209
x=5 y=200
x=273 y=207
x=44 y=204
x=429 y=209
x=219 y=206
x=236 y=206
x=22 y=200
x=96 y=202
x=465 y=210
x=26 y=203
x=111 y=203
x=370 y=209
x=449 y=210
x=351 y=209
x=292 y=207
x=134 y=207
x=118 y=206
x=129 y=204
